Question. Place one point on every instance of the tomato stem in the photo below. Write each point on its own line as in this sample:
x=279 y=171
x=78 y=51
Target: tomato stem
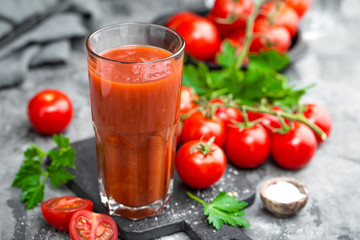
x=204 y=148
x=248 y=34
x=296 y=117
x=195 y=198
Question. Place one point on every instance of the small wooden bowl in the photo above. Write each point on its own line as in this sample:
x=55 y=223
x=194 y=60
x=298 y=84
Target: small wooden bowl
x=284 y=210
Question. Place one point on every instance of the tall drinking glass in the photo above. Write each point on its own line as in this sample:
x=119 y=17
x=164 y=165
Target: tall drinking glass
x=135 y=73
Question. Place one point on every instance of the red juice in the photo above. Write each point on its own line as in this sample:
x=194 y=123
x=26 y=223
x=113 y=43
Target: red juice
x=135 y=99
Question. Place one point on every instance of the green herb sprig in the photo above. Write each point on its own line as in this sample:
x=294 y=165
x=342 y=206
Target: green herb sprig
x=224 y=210
x=32 y=175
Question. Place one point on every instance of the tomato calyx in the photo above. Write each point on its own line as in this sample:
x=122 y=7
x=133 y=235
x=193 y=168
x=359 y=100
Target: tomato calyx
x=204 y=148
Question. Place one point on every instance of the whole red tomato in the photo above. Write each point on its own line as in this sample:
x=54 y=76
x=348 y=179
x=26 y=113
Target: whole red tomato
x=319 y=116
x=200 y=164
x=294 y=149
x=227 y=114
x=280 y=14
x=230 y=15
x=300 y=6
x=198 y=126
x=87 y=225
x=269 y=37
x=50 y=111
x=58 y=211
x=178 y=18
x=247 y=147
x=201 y=37
x=188 y=98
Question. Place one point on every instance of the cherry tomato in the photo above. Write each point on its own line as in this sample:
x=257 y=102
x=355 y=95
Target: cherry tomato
x=269 y=37
x=188 y=96
x=300 y=6
x=294 y=149
x=280 y=14
x=198 y=126
x=58 y=211
x=199 y=168
x=230 y=15
x=50 y=111
x=268 y=121
x=319 y=116
x=87 y=225
x=201 y=37
x=247 y=147
x=227 y=114
x=179 y=18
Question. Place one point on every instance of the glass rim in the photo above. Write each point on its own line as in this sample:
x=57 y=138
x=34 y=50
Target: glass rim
x=178 y=52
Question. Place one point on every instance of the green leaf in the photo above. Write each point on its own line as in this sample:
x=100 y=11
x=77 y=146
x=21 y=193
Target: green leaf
x=65 y=155
x=227 y=57
x=270 y=59
x=31 y=177
x=58 y=176
x=224 y=210
x=33 y=195
x=29 y=174
x=226 y=203
x=34 y=153
x=195 y=77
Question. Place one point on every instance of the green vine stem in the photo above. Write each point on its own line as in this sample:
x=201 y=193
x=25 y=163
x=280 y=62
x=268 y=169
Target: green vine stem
x=249 y=33
x=296 y=117
x=195 y=198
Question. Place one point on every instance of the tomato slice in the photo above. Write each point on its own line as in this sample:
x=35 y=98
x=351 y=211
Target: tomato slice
x=87 y=225
x=58 y=211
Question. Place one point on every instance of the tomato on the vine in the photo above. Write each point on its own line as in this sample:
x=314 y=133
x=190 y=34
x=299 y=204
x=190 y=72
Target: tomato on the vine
x=201 y=37
x=87 y=225
x=227 y=114
x=269 y=37
x=320 y=116
x=230 y=16
x=300 y=6
x=280 y=14
x=188 y=98
x=58 y=211
x=247 y=147
x=178 y=18
x=268 y=121
x=198 y=126
x=50 y=111
x=200 y=164
x=294 y=149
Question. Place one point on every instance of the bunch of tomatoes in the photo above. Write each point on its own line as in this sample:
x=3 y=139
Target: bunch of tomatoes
x=274 y=27
x=215 y=131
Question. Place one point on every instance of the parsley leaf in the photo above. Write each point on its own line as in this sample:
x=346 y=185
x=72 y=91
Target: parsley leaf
x=259 y=81
x=31 y=177
x=224 y=210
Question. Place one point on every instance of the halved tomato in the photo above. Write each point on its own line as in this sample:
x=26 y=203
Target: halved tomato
x=87 y=225
x=58 y=211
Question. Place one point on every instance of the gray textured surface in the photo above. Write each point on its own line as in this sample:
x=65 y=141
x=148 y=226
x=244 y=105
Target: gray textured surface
x=332 y=177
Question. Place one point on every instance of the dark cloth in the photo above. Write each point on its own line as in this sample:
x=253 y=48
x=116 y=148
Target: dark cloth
x=49 y=41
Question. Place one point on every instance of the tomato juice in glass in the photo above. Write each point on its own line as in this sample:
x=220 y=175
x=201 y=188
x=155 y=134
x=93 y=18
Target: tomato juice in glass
x=135 y=73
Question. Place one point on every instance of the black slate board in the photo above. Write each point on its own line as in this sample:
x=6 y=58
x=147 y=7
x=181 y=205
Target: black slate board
x=297 y=49
x=183 y=214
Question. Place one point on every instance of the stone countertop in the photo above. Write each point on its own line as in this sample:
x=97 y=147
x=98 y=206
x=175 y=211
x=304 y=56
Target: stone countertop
x=332 y=62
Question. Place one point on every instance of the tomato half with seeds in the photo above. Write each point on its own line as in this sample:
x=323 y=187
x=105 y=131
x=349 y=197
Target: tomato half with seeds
x=87 y=225
x=58 y=211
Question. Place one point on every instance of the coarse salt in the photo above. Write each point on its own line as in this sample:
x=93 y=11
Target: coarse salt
x=283 y=192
